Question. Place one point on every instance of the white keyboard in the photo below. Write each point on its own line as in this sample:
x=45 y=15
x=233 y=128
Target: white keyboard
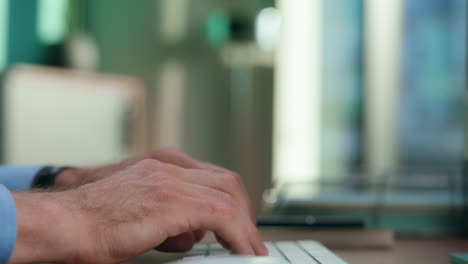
x=295 y=252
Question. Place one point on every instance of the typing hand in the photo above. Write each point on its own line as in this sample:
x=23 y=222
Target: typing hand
x=139 y=208
x=75 y=177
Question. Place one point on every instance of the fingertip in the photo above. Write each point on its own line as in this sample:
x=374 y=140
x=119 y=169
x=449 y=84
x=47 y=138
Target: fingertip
x=244 y=252
x=238 y=248
x=260 y=249
x=248 y=251
x=264 y=250
x=252 y=252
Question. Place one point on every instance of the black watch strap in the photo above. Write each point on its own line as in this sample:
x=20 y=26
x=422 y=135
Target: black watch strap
x=45 y=178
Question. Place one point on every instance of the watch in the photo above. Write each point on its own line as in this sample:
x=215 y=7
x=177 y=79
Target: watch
x=45 y=178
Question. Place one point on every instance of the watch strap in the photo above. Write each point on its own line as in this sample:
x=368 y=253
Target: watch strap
x=45 y=178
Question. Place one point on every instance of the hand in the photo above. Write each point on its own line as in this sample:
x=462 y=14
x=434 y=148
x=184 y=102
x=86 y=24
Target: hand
x=137 y=209
x=75 y=177
x=79 y=176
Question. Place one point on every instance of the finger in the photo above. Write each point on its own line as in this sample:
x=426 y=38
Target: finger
x=181 y=159
x=235 y=176
x=181 y=243
x=176 y=157
x=219 y=181
x=222 y=242
x=257 y=243
x=199 y=235
x=196 y=190
x=207 y=212
x=213 y=167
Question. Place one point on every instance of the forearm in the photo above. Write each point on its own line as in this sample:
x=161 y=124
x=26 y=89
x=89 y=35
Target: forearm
x=45 y=229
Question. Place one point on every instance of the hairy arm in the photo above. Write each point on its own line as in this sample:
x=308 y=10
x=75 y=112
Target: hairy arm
x=48 y=232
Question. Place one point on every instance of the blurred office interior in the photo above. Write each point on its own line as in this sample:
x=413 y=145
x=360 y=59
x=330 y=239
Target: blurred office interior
x=348 y=93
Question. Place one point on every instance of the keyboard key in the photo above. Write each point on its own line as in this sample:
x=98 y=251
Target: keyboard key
x=215 y=246
x=216 y=250
x=313 y=247
x=294 y=253
x=300 y=252
x=231 y=259
x=329 y=259
x=273 y=251
x=194 y=258
x=220 y=254
x=199 y=249
x=319 y=252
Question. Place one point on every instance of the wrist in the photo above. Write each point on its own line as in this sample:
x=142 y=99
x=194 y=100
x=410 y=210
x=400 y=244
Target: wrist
x=48 y=231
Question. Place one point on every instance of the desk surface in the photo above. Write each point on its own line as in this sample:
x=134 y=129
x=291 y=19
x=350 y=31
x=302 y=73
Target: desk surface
x=403 y=250
x=427 y=251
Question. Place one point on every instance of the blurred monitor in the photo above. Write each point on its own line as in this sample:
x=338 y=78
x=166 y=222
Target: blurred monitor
x=68 y=117
x=465 y=170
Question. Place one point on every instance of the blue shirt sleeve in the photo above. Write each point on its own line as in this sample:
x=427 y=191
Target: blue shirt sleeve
x=8 y=225
x=13 y=178
x=18 y=178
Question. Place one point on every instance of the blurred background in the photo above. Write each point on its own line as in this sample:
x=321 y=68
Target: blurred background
x=353 y=93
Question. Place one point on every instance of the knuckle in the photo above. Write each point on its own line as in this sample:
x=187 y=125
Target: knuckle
x=165 y=181
x=235 y=177
x=162 y=196
x=223 y=210
x=168 y=168
x=226 y=212
x=173 y=169
x=148 y=163
x=231 y=181
x=227 y=200
x=161 y=178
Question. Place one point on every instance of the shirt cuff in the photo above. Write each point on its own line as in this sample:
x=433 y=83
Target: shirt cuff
x=8 y=225
x=18 y=178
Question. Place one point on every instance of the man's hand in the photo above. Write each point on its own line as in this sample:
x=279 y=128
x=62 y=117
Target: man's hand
x=72 y=178
x=135 y=210
x=75 y=177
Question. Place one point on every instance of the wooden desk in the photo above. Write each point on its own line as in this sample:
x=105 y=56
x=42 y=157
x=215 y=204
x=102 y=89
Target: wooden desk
x=385 y=251
x=411 y=251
